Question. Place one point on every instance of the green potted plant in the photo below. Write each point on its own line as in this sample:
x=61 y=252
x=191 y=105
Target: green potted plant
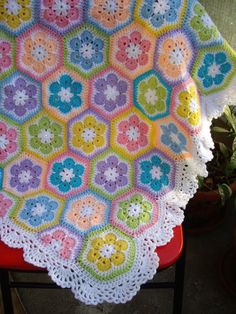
x=207 y=208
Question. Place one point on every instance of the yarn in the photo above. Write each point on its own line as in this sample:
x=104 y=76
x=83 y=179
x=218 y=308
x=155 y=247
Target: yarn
x=106 y=107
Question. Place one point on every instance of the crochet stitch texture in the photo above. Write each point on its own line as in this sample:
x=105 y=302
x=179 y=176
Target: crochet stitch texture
x=105 y=114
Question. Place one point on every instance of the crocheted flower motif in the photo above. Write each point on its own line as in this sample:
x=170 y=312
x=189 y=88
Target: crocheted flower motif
x=65 y=94
x=8 y=142
x=25 y=176
x=173 y=138
x=133 y=50
x=111 y=174
x=151 y=95
x=67 y=175
x=133 y=133
x=202 y=24
x=130 y=134
x=86 y=211
x=61 y=15
x=188 y=107
x=40 y=52
x=86 y=51
x=107 y=253
x=38 y=210
x=154 y=173
x=213 y=71
x=6 y=55
x=88 y=134
x=160 y=12
x=16 y=15
x=5 y=204
x=110 y=94
x=135 y=211
x=20 y=97
x=61 y=242
x=174 y=56
x=110 y=14
x=46 y=136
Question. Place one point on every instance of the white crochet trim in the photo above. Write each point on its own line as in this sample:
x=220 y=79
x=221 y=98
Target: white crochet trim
x=121 y=289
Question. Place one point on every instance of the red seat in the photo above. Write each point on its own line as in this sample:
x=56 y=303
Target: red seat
x=170 y=252
x=13 y=258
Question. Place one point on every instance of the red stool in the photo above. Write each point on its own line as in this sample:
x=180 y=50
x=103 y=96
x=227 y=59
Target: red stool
x=170 y=254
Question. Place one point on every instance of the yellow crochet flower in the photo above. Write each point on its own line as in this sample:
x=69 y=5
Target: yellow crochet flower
x=189 y=107
x=88 y=134
x=15 y=12
x=107 y=252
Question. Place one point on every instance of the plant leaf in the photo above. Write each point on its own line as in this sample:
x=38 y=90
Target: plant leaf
x=225 y=192
x=200 y=182
x=233 y=157
x=219 y=129
x=224 y=150
x=230 y=118
x=234 y=146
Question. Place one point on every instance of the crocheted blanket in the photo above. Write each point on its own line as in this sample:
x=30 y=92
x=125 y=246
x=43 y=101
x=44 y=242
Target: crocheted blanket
x=106 y=108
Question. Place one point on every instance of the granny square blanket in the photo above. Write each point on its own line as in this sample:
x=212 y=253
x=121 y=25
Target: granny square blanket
x=105 y=114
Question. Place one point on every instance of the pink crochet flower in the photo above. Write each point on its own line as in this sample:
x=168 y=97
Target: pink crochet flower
x=5 y=204
x=7 y=141
x=133 y=133
x=5 y=59
x=133 y=50
x=61 y=12
x=62 y=243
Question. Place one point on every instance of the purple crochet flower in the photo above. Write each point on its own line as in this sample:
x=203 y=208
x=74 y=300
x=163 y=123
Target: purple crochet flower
x=112 y=174
x=25 y=175
x=20 y=97
x=110 y=92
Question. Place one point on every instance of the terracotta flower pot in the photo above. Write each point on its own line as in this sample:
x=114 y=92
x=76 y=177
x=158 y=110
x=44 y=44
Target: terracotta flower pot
x=204 y=211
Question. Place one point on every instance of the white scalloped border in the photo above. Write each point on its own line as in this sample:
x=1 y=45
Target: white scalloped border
x=122 y=289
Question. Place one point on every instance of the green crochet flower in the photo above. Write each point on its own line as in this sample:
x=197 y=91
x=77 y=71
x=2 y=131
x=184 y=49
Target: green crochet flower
x=135 y=211
x=152 y=95
x=203 y=25
x=45 y=136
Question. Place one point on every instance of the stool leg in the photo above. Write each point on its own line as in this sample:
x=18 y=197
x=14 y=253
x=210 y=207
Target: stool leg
x=6 y=292
x=179 y=282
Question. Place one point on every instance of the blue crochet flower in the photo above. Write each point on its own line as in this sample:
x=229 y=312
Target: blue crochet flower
x=155 y=173
x=39 y=210
x=157 y=12
x=173 y=138
x=87 y=50
x=1 y=177
x=214 y=69
x=66 y=175
x=65 y=94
